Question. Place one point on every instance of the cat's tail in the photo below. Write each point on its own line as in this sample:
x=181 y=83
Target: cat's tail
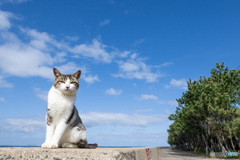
x=91 y=146
x=84 y=144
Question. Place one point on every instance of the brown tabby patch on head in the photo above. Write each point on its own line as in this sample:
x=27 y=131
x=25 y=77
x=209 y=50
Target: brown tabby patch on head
x=60 y=78
x=63 y=78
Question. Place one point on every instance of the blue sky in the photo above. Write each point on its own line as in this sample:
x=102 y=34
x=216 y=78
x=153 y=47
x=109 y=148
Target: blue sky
x=135 y=57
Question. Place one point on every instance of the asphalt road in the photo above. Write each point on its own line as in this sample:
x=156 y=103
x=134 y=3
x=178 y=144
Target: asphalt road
x=165 y=153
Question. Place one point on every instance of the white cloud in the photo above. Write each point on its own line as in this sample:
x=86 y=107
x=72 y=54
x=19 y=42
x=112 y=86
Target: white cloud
x=104 y=118
x=40 y=40
x=143 y=110
x=123 y=54
x=113 y=91
x=5 y=84
x=69 y=68
x=36 y=58
x=147 y=97
x=43 y=95
x=129 y=66
x=90 y=119
x=36 y=53
x=96 y=51
x=104 y=22
x=156 y=100
x=43 y=41
x=3 y=100
x=181 y=83
x=5 y=20
x=136 y=68
x=22 y=125
x=133 y=56
x=72 y=38
x=138 y=42
x=166 y=64
x=90 y=79
x=171 y=103
x=12 y=1
x=27 y=61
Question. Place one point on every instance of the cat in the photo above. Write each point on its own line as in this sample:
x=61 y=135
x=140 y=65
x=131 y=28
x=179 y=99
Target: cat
x=64 y=128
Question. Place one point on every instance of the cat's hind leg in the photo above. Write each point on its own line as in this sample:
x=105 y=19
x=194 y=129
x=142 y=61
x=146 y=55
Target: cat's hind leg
x=74 y=137
x=79 y=137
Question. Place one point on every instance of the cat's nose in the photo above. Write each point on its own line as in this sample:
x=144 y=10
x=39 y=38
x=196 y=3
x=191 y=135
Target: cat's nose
x=67 y=87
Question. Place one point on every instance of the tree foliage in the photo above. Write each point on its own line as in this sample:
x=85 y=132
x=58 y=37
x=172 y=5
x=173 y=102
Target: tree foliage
x=208 y=114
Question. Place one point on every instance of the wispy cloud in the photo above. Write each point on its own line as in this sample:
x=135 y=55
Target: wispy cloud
x=90 y=79
x=143 y=110
x=3 y=100
x=21 y=125
x=5 y=20
x=156 y=99
x=181 y=83
x=5 y=84
x=13 y=1
x=147 y=97
x=112 y=2
x=166 y=64
x=72 y=38
x=112 y=91
x=136 y=68
x=42 y=40
x=96 y=51
x=105 y=118
x=70 y=68
x=90 y=119
x=38 y=52
x=42 y=94
x=104 y=22
x=138 y=42
x=171 y=103
x=27 y=61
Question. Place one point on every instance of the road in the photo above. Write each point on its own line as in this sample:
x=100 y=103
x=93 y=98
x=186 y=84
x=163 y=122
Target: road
x=165 y=153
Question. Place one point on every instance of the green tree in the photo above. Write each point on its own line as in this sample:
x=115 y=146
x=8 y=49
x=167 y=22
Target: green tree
x=207 y=117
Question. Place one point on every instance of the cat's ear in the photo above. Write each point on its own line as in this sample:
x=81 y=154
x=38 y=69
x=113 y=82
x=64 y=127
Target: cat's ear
x=56 y=73
x=77 y=74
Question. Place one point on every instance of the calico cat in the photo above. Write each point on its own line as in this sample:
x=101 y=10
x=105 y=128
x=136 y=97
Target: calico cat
x=64 y=126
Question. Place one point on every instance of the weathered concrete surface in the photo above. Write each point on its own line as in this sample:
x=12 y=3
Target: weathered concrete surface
x=22 y=153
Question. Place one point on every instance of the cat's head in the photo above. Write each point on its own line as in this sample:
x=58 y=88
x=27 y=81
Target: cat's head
x=67 y=84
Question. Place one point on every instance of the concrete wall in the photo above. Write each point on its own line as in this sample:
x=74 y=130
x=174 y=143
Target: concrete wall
x=78 y=154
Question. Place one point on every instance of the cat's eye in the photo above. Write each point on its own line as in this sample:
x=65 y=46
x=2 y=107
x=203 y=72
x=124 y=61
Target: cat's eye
x=61 y=81
x=73 y=82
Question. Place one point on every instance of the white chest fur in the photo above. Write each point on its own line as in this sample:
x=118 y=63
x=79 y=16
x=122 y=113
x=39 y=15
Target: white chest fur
x=60 y=105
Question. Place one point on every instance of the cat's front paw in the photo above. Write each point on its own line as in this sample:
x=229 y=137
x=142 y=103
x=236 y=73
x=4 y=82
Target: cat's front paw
x=45 y=145
x=49 y=145
x=53 y=146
